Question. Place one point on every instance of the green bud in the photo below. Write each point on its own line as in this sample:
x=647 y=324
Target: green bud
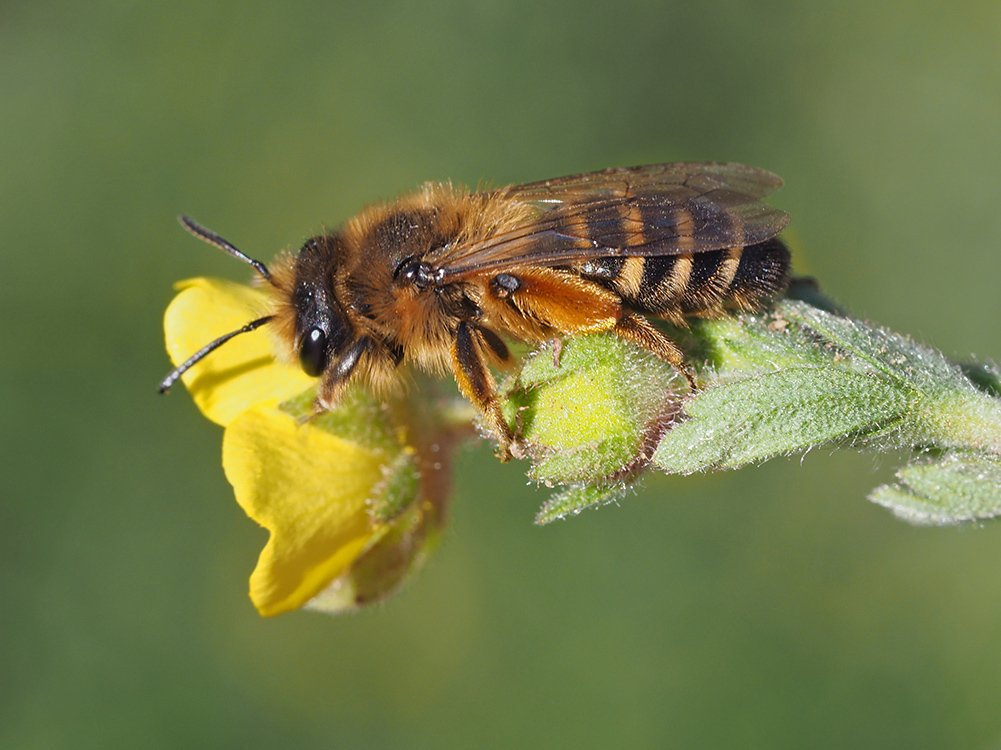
x=591 y=414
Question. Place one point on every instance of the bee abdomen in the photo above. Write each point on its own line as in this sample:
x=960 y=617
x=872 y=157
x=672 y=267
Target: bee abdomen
x=694 y=283
x=763 y=272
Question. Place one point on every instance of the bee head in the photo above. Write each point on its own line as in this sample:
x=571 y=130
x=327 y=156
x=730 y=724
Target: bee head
x=322 y=329
x=307 y=313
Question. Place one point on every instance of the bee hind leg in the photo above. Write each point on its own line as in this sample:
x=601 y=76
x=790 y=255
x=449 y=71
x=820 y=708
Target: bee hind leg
x=638 y=330
x=477 y=384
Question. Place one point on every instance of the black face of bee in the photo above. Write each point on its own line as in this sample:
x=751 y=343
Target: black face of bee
x=322 y=329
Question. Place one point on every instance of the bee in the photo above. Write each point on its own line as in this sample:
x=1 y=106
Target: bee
x=439 y=278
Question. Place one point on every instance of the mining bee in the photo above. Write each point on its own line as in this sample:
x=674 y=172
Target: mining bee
x=440 y=277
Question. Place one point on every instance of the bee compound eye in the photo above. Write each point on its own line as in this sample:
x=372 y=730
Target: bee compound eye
x=313 y=351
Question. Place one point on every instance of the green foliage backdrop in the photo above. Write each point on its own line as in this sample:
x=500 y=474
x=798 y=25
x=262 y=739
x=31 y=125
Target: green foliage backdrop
x=770 y=607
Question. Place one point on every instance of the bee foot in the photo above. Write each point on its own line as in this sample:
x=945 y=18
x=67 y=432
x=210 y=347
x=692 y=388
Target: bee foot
x=319 y=409
x=557 y=345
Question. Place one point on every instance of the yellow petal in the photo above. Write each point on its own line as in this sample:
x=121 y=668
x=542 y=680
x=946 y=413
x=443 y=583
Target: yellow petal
x=241 y=373
x=309 y=488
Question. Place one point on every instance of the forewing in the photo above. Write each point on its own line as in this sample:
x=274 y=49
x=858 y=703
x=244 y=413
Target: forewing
x=661 y=209
x=619 y=182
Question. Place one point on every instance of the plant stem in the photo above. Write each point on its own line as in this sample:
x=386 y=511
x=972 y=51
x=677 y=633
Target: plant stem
x=970 y=421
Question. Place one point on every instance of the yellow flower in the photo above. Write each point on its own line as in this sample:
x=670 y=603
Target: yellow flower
x=342 y=494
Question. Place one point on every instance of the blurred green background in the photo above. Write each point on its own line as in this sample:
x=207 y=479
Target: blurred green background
x=772 y=607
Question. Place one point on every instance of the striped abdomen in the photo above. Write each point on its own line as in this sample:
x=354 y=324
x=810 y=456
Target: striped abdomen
x=702 y=283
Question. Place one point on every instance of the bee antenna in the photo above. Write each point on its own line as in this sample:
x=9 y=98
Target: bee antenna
x=212 y=238
x=172 y=377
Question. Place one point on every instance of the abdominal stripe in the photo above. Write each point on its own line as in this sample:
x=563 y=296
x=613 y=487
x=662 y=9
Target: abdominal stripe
x=686 y=282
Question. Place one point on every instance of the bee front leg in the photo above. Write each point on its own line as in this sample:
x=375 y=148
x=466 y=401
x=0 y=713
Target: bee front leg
x=477 y=384
x=337 y=374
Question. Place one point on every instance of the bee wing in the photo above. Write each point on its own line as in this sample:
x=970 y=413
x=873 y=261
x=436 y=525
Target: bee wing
x=660 y=209
x=619 y=182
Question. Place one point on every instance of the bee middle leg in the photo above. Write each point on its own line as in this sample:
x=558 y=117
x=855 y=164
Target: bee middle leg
x=477 y=384
x=637 y=329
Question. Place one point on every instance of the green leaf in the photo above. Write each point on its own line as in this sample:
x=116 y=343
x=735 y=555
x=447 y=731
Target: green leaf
x=960 y=487
x=774 y=413
x=577 y=498
x=359 y=416
x=399 y=487
x=985 y=375
x=801 y=377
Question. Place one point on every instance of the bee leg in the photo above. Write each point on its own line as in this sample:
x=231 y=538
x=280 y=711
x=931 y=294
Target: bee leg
x=557 y=344
x=495 y=344
x=638 y=330
x=337 y=374
x=477 y=384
